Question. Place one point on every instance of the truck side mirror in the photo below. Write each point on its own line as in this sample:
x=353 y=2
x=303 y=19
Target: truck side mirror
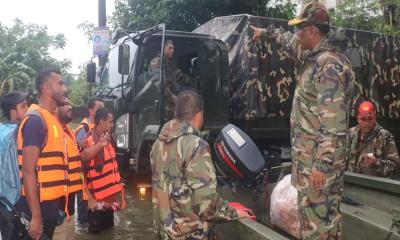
x=91 y=72
x=123 y=59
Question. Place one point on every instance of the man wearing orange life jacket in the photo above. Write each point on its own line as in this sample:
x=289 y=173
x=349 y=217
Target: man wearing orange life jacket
x=103 y=179
x=80 y=134
x=66 y=231
x=41 y=157
x=88 y=123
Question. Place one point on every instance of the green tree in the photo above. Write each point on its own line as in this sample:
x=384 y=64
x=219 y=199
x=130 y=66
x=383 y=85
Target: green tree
x=24 y=50
x=78 y=89
x=185 y=15
x=369 y=15
x=87 y=28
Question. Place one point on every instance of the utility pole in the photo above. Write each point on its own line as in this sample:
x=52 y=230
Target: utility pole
x=102 y=58
x=102 y=13
x=102 y=23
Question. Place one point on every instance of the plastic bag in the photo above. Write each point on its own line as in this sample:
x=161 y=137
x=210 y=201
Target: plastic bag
x=284 y=210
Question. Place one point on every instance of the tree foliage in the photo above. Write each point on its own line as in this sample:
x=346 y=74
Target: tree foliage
x=24 y=50
x=78 y=89
x=87 y=28
x=185 y=15
x=371 y=15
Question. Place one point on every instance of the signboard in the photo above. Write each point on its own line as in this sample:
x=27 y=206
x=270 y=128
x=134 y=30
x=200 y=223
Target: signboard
x=101 y=41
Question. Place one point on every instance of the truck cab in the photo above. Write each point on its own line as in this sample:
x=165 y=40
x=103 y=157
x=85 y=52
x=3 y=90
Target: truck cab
x=132 y=83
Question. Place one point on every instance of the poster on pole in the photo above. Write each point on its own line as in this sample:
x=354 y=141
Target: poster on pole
x=101 y=41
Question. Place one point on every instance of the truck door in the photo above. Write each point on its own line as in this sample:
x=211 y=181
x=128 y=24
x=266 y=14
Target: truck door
x=147 y=110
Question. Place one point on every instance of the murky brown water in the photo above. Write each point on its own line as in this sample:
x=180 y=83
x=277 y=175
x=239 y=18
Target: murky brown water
x=135 y=222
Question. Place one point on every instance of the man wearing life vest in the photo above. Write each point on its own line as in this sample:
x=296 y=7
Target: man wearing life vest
x=88 y=123
x=41 y=157
x=103 y=179
x=66 y=231
x=80 y=134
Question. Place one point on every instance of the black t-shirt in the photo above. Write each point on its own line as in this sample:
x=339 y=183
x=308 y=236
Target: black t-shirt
x=33 y=134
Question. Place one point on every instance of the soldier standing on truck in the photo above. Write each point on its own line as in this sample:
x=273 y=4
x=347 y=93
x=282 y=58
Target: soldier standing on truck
x=319 y=120
x=373 y=150
x=174 y=79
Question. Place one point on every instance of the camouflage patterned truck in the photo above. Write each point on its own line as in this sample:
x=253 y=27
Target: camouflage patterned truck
x=250 y=85
x=263 y=77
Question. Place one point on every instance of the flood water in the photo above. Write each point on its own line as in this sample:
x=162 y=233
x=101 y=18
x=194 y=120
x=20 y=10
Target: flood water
x=135 y=221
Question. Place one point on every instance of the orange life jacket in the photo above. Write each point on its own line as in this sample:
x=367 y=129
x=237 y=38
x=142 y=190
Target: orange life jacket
x=107 y=182
x=75 y=182
x=84 y=124
x=52 y=167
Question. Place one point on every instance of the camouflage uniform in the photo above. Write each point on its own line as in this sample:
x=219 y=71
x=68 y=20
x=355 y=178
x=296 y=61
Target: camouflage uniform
x=174 y=80
x=319 y=124
x=380 y=142
x=144 y=78
x=185 y=202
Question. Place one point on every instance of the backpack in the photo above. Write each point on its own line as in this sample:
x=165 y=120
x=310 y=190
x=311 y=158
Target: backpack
x=12 y=223
x=10 y=183
x=11 y=226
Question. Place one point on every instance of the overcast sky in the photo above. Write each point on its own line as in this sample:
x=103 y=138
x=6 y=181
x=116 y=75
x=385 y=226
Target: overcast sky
x=60 y=16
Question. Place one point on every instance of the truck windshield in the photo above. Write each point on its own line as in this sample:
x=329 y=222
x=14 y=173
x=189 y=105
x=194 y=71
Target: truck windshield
x=109 y=76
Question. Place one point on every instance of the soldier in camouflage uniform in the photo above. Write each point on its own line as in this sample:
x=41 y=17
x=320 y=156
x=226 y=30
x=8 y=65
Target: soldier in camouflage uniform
x=319 y=120
x=174 y=79
x=185 y=202
x=373 y=150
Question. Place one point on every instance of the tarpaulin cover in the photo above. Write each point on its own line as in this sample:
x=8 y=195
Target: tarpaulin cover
x=262 y=76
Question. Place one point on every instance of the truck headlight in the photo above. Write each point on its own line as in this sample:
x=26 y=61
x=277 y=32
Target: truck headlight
x=122 y=131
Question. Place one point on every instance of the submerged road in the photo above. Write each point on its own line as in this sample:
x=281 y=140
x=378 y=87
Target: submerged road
x=135 y=222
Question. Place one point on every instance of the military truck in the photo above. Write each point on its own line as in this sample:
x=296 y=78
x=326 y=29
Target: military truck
x=251 y=85
x=245 y=83
x=132 y=88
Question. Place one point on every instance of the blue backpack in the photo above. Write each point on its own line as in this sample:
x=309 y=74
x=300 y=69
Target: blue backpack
x=10 y=183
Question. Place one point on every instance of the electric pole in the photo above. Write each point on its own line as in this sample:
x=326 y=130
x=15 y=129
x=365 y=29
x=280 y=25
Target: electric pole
x=102 y=23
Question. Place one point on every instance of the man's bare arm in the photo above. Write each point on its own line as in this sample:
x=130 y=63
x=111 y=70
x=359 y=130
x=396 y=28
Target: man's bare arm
x=30 y=155
x=89 y=153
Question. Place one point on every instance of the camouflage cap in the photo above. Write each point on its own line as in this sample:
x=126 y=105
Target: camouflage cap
x=314 y=13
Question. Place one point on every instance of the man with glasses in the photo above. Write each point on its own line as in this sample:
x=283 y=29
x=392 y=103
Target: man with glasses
x=319 y=119
x=373 y=150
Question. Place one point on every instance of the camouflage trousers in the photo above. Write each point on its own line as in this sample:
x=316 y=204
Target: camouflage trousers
x=320 y=215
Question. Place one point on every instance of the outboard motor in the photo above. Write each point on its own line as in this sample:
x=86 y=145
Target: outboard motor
x=239 y=157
